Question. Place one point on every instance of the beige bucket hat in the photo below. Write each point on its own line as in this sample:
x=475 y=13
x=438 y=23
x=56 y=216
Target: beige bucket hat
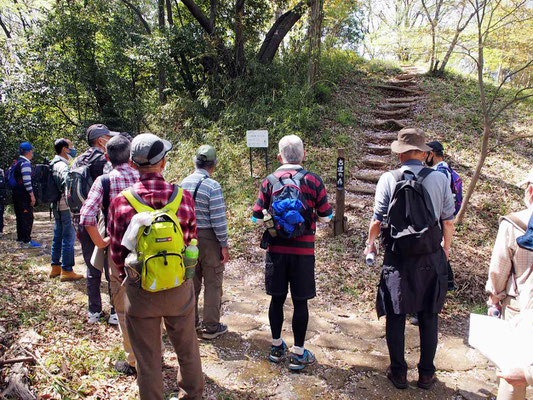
x=410 y=139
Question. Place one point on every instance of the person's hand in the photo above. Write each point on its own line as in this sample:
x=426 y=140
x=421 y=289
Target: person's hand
x=104 y=243
x=224 y=255
x=494 y=299
x=370 y=248
x=32 y=199
x=515 y=377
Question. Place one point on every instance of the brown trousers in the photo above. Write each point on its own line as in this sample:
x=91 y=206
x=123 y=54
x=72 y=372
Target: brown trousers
x=118 y=297
x=211 y=271
x=144 y=311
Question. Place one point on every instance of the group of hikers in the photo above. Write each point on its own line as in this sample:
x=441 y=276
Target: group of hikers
x=158 y=243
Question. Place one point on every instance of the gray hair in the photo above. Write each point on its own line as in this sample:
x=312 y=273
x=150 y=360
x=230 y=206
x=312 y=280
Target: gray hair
x=291 y=149
x=204 y=164
x=118 y=150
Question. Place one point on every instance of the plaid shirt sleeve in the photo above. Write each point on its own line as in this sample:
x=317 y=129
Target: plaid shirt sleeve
x=187 y=218
x=93 y=203
x=118 y=217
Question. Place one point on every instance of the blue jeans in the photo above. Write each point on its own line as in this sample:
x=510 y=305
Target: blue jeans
x=63 y=242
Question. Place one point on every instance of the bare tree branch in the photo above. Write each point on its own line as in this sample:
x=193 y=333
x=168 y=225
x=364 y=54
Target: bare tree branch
x=207 y=23
x=515 y=99
x=505 y=79
x=4 y=27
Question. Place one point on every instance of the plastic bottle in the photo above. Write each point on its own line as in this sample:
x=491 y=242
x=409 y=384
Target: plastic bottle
x=269 y=223
x=191 y=258
x=494 y=311
x=370 y=257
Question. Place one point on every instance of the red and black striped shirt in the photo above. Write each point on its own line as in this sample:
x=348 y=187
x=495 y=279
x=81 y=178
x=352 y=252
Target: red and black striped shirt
x=314 y=193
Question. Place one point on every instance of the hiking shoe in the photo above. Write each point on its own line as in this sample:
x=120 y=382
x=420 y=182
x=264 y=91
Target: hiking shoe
x=56 y=271
x=414 y=320
x=399 y=382
x=222 y=328
x=94 y=317
x=298 y=362
x=124 y=368
x=278 y=353
x=113 y=319
x=425 y=382
x=31 y=245
x=67 y=276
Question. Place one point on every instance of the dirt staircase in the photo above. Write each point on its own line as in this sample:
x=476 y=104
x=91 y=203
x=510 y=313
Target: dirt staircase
x=401 y=94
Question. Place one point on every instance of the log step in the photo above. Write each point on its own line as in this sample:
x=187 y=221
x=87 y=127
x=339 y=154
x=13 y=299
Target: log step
x=371 y=176
x=376 y=162
x=398 y=89
x=389 y=124
x=401 y=83
x=393 y=113
x=404 y=77
x=385 y=136
x=362 y=189
x=394 y=106
x=402 y=99
x=378 y=149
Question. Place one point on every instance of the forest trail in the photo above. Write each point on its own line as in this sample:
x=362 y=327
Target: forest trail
x=349 y=344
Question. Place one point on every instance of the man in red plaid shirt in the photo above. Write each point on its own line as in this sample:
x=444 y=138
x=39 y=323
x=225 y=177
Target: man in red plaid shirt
x=144 y=309
x=105 y=188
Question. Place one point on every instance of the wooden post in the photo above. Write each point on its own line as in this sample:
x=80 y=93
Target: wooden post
x=339 y=224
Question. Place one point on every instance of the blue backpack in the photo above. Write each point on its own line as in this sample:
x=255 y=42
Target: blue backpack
x=456 y=185
x=10 y=175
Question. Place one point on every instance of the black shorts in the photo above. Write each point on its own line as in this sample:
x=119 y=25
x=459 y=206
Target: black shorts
x=299 y=271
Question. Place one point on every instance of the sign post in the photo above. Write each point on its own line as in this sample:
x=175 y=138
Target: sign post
x=257 y=139
x=339 y=221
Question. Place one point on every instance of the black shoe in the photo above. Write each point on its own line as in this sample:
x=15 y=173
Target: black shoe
x=399 y=382
x=425 y=382
x=124 y=368
x=222 y=328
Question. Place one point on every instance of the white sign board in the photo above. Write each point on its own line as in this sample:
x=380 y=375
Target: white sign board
x=257 y=139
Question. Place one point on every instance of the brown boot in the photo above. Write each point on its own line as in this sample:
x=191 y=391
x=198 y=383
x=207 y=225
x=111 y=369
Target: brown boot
x=70 y=276
x=56 y=271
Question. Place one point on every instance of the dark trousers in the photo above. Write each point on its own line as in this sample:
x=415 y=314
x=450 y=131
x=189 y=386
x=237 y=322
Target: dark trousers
x=395 y=332
x=24 y=214
x=94 y=276
x=2 y=208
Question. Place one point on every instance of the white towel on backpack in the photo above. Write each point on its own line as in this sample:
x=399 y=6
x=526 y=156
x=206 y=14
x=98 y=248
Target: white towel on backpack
x=139 y=220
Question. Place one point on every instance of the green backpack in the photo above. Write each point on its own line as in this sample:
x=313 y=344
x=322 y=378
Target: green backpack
x=160 y=246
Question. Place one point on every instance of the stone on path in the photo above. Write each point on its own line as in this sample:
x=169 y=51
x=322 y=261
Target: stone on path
x=454 y=355
x=342 y=342
x=403 y=77
x=360 y=328
x=383 y=136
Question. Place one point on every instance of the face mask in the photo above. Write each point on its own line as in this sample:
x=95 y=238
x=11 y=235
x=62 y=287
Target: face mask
x=428 y=161
x=72 y=152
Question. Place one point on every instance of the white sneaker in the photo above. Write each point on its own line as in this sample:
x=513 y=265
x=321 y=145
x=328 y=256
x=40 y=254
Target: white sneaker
x=94 y=317
x=113 y=319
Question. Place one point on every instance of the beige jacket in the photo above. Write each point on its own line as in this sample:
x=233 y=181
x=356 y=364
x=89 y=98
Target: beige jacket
x=507 y=254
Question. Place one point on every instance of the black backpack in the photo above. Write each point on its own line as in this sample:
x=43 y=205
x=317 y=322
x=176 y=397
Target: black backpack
x=286 y=189
x=410 y=228
x=79 y=182
x=44 y=183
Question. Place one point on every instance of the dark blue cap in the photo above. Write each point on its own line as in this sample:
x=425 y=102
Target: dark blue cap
x=25 y=147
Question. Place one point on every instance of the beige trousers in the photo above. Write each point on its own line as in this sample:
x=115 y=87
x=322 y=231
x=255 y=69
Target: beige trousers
x=510 y=309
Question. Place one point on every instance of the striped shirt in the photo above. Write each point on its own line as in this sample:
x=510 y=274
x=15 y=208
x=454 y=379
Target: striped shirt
x=120 y=178
x=209 y=204
x=314 y=192
x=24 y=176
x=155 y=192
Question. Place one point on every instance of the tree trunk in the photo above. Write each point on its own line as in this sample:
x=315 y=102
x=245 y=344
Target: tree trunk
x=449 y=53
x=239 y=58
x=279 y=30
x=433 y=48
x=315 y=37
x=162 y=76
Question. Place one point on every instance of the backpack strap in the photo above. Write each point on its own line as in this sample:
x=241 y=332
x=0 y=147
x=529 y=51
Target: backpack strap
x=423 y=174
x=175 y=200
x=515 y=221
x=273 y=179
x=136 y=201
x=202 y=179
x=300 y=175
x=106 y=199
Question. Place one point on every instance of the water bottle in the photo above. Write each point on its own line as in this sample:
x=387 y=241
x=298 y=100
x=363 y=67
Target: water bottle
x=269 y=223
x=370 y=257
x=494 y=311
x=191 y=258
